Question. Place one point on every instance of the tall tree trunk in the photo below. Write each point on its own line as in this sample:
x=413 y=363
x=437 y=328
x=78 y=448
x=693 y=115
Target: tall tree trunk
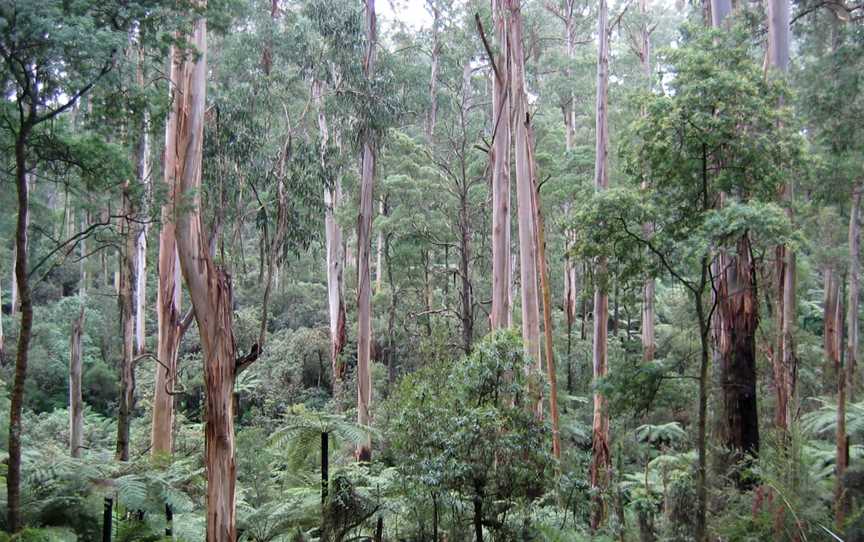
x=845 y=376
x=601 y=461
x=333 y=240
x=364 y=227
x=432 y=118
x=499 y=156
x=648 y=286
x=142 y=157
x=466 y=301
x=126 y=302
x=25 y=330
x=168 y=295
x=854 y=290
x=784 y=360
x=211 y=294
x=543 y=268
x=76 y=403
x=524 y=198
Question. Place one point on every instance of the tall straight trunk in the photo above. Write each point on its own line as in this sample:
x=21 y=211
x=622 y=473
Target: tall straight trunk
x=648 y=285
x=25 y=330
x=601 y=461
x=168 y=294
x=333 y=241
x=364 y=227
x=126 y=302
x=846 y=376
x=76 y=403
x=524 y=197
x=211 y=294
x=854 y=290
x=379 y=251
x=549 y=351
x=784 y=360
x=142 y=157
x=499 y=157
x=432 y=118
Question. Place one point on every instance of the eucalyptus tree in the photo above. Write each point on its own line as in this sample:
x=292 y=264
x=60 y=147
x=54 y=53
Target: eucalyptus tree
x=600 y=458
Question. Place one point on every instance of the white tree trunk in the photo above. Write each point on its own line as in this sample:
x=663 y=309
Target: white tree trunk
x=335 y=259
x=524 y=196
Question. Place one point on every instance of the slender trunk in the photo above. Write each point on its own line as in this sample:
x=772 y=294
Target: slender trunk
x=333 y=240
x=600 y=462
x=142 y=156
x=499 y=157
x=853 y=292
x=126 y=300
x=2 y=341
x=648 y=286
x=364 y=227
x=379 y=251
x=13 y=477
x=433 y=76
x=465 y=293
x=325 y=466
x=211 y=294
x=551 y=375
x=76 y=403
x=845 y=376
x=524 y=197
x=168 y=295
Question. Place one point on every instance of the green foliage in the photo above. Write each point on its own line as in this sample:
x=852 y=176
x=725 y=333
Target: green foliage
x=465 y=427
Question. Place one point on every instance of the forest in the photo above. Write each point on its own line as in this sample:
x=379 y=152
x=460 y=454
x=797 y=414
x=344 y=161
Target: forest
x=431 y=270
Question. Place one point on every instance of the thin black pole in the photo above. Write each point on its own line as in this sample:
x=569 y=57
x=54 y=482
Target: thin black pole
x=325 y=466
x=106 y=519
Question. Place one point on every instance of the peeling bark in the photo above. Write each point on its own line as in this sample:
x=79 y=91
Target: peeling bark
x=211 y=294
x=168 y=295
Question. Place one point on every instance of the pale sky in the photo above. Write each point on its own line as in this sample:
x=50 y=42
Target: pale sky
x=411 y=12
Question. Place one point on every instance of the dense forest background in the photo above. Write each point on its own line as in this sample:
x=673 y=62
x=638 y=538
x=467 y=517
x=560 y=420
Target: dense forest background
x=441 y=270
